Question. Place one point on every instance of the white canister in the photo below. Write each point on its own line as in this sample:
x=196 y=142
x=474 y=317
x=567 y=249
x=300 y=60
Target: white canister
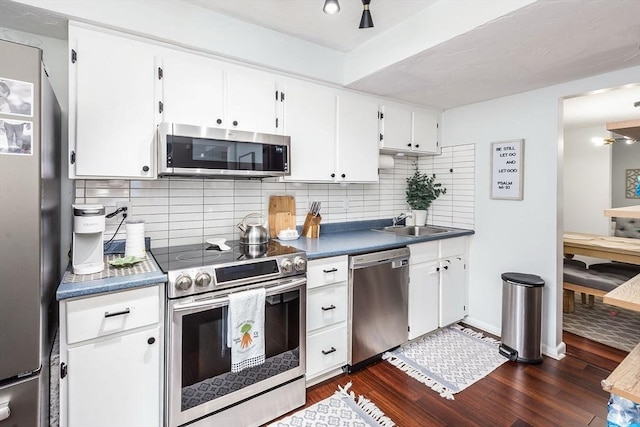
x=134 y=244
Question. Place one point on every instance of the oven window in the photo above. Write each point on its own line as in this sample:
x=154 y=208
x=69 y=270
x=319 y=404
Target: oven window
x=206 y=359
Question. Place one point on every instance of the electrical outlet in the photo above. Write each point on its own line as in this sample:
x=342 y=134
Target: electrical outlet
x=124 y=204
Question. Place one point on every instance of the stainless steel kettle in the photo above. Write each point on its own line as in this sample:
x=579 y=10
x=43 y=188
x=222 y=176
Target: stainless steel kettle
x=252 y=231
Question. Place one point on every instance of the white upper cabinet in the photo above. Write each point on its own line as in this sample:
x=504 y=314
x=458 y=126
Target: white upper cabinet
x=425 y=131
x=250 y=100
x=309 y=118
x=192 y=90
x=112 y=109
x=408 y=129
x=395 y=128
x=357 y=149
x=202 y=91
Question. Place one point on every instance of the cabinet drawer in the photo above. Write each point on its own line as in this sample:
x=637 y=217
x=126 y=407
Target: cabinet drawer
x=455 y=246
x=111 y=313
x=326 y=350
x=326 y=305
x=423 y=252
x=326 y=271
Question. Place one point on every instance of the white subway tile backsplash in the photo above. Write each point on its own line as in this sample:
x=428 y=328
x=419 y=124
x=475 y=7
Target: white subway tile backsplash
x=180 y=211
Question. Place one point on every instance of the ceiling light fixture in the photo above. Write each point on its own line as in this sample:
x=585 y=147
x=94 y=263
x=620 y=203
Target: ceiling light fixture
x=331 y=7
x=608 y=141
x=366 y=21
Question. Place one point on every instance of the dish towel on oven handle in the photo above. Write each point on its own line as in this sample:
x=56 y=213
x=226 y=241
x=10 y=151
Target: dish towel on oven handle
x=245 y=333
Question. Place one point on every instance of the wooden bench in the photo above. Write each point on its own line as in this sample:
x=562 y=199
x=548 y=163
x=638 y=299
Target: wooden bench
x=568 y=296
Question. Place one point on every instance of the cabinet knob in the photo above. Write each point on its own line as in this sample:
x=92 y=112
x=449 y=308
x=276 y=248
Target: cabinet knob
x=409 y=145
x=145 y=168
x=417 y=145
x=219 y=121
x=333 y=175
x=446 y=267
x=343 y=175
x=235 y=123
x=151 y=340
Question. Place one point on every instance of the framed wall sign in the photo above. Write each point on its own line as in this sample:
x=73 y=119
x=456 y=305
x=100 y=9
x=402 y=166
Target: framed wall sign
x=507 y=166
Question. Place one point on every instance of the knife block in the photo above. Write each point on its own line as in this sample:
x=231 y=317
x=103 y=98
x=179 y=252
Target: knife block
x=311 y=227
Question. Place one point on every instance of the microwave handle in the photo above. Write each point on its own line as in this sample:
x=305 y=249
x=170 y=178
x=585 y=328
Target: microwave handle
x=224 y=300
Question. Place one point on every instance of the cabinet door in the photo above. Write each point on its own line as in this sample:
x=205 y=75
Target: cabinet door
x=396 y=133
x=453 y=290
x=112 y=106
x=192 y=90
x=251 y=100
x=357 y=149
x=423 y=298
x=425 y=132
x=115 y=381
x=310 y=121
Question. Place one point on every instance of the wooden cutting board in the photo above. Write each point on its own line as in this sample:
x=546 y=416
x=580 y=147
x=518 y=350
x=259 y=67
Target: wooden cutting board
x=282 y=214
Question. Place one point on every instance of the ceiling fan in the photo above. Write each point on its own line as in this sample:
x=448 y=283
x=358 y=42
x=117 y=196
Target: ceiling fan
x=332 y=7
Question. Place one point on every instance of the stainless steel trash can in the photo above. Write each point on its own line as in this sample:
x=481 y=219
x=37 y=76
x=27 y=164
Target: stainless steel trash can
x=521 y=317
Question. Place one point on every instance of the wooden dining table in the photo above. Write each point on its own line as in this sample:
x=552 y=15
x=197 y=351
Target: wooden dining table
x=611 y=248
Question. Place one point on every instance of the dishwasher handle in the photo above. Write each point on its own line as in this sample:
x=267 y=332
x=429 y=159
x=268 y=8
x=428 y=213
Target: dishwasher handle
x=396 y=257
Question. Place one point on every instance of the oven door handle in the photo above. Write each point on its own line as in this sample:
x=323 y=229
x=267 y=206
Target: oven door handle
x=224 y=300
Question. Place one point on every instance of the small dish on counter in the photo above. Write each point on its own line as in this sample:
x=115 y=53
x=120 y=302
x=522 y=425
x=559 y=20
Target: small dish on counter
x=288 y=234
x=126 y=261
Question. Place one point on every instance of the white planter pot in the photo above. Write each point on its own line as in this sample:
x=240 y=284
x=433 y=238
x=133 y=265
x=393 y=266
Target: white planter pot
x=420 y=217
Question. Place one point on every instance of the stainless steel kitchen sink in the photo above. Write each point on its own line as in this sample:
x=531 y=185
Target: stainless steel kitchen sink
x=413 y=231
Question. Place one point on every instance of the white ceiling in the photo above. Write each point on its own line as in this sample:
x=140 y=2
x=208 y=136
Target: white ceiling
x=540 y=44
x=304 y=19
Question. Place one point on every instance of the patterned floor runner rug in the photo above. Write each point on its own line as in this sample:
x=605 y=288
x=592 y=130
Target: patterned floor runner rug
x=342 y=409
x=448 y=360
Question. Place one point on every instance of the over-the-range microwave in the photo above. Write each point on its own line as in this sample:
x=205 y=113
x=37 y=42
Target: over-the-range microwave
x=187 y=150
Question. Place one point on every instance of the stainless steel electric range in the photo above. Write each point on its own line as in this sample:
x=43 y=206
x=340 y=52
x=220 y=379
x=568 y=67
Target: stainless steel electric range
x=200 y=387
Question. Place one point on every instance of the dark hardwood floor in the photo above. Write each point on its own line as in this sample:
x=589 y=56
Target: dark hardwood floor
x=563 y=392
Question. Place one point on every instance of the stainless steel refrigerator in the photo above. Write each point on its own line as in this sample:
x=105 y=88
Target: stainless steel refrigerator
x=29 y=234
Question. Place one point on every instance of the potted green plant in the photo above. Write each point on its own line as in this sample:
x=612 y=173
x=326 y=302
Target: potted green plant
x=421 y=191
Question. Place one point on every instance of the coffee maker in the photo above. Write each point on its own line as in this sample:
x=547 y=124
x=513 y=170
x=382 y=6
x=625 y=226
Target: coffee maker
x=87 y=255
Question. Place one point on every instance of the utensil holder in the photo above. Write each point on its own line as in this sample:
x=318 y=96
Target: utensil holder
x=313 y=232
x=311 y=227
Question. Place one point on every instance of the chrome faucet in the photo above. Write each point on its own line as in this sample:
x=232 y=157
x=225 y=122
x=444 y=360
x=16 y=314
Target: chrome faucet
x=396 y=219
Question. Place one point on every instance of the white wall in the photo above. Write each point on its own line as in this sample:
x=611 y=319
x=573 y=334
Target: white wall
x=185 y=211
x=587 y=181
x=624 y=157
x=521 y=236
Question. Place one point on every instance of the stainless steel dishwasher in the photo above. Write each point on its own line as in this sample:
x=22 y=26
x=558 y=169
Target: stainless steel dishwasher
x=378 y=294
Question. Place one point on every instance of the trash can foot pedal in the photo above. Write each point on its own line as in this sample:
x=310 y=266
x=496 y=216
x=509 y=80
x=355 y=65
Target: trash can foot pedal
x=508 y=352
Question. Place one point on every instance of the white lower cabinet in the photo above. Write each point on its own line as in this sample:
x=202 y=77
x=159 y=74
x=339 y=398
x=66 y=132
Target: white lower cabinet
x=453 y=290
x=114 y=382
x=111 y=355
x=424 y=289
x=437 y=285
x=327 y=301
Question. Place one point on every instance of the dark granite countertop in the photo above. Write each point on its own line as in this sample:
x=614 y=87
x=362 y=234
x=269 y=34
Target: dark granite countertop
x=350 y=238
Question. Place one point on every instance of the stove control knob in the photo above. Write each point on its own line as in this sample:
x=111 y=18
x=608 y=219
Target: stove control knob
x=300 y=264
x=287 y=265
x=203 y=280
x=183 y=282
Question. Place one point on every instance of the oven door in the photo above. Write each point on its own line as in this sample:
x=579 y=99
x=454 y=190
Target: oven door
x=200 y=381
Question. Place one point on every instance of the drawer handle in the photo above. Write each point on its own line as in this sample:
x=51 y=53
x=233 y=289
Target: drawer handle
x=325 y=352
x=333 y=270
x=331 y=307
x=117 y=313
